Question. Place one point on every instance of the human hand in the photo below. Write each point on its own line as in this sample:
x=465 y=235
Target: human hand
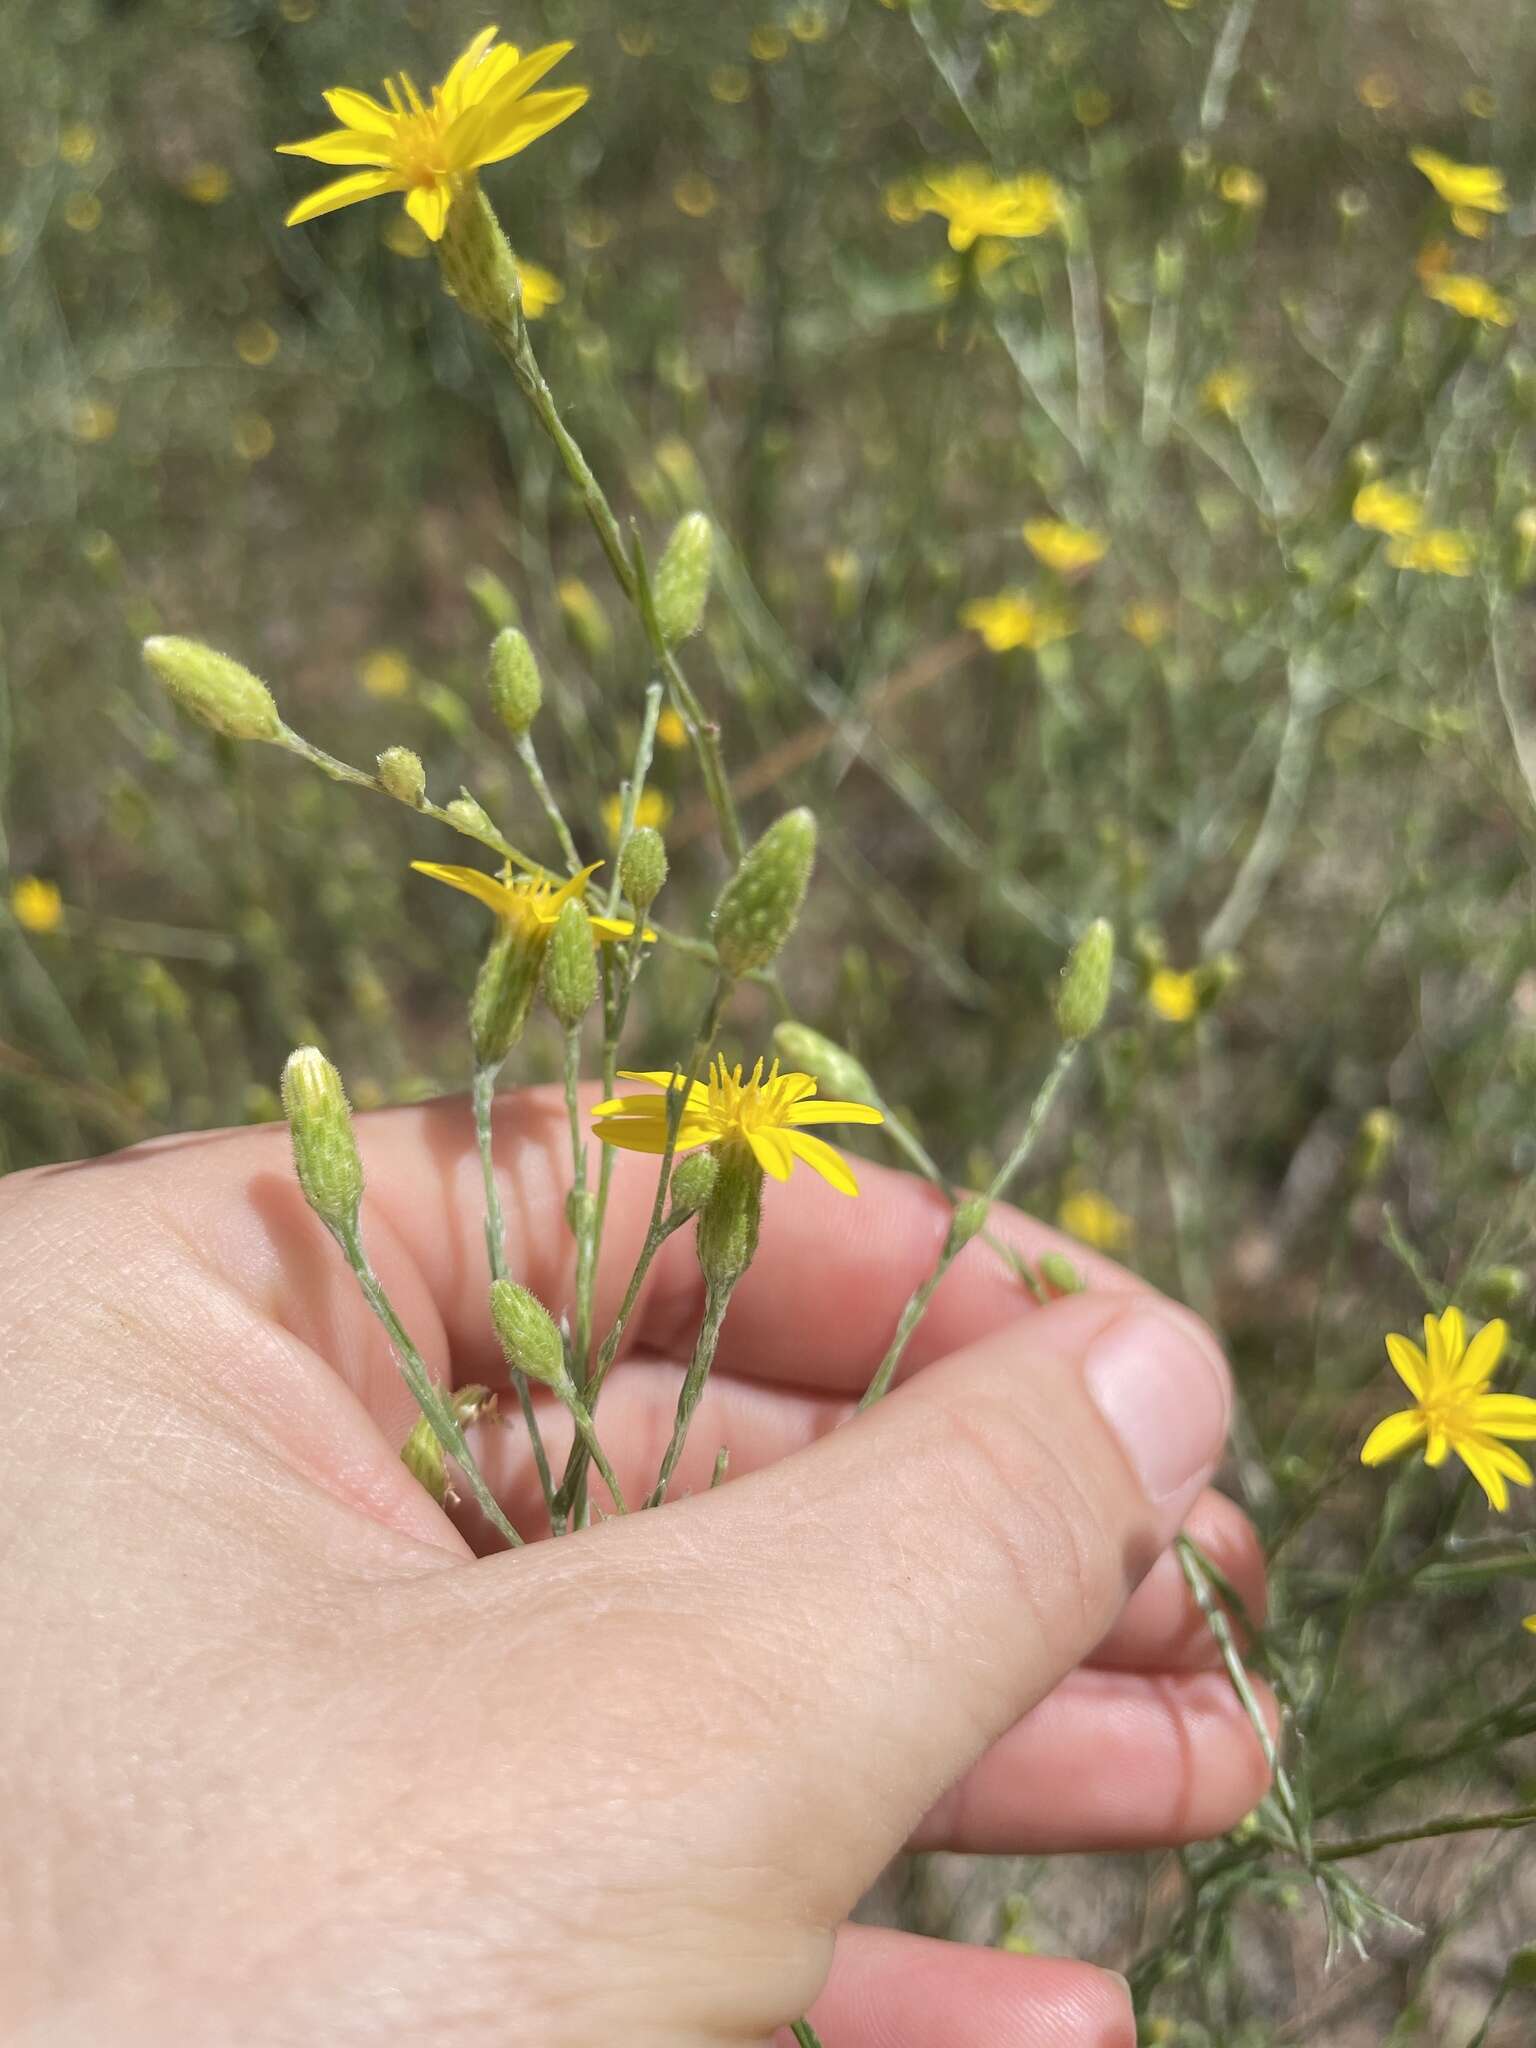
x=286 y=1762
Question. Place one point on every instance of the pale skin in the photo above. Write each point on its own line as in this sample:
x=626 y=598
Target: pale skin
x=287 y=1762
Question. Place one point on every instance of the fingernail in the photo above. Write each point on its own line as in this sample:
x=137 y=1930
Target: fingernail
x=1161 y=1386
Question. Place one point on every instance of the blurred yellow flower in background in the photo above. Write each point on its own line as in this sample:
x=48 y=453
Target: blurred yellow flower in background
x=695 y=195
x=1439 y=552
x=654 y=809
x=206 y=184
x=385 y=672
x=976 y=204
x=1013 y=619
x=1173 y=996
x=1064 y=548
x=1093 y=1219
x=1226 y=392
x=1452 y=1407
x=1241 y=187
x=481 y=113
x=1147 y=621
x=1386 y=509
x=36 y=904
x=541 y=289
x=1472 y=297
x=1477 y=187
x=670 y=729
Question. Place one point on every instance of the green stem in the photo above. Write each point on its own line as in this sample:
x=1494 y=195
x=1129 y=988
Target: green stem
x=1428 y=1830
x=586 y=1432
x=806 y=2034
x=716 y=1301
x=528 y=755
x=441 y=1419
x=583 y=1212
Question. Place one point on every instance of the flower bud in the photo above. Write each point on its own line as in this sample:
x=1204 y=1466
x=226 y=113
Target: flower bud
x=503 y=995
x=402 y=775
x=570 y=966
x=213 y=688
x=422 y=1454
x=528 y=1335
x=1494 y=1289
x=492 y=595
x=471 y=816
x=682 y=578
x=693 y=1182
x=1059 y=1273
x=834 y=1070
x=969 y=1219
x=325 y=1154
x=643 y=866
x=758 y=907
x=729 y=1219
x=1083 y=994
x=516 y=688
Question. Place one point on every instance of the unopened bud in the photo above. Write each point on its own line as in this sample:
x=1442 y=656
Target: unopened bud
x=422 y=1454
x=682 y=578
x=643 y=866
x=1059 y=1273
x=969 y=1219
x=325 y=1154
x=528 y=1334
x=758 y=907
x=1492 y=1289
x=402 y=775
x=570 y=966
x=503 y=994
x=1082 y=996
x=835 y=1071
x=693 y=1182
x=213 y=688
x=470 y=816
x=729 y=1220
x=516 y=688
x=492 y=595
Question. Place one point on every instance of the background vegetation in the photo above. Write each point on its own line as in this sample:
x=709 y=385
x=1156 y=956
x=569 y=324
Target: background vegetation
x=1290 y=769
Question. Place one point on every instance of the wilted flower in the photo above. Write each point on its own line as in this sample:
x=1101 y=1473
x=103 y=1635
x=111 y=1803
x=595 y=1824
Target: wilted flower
x=1452 y=1408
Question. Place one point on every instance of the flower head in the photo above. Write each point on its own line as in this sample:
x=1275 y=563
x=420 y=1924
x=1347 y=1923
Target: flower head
x=1439 y=552
x=766 y=1113
x=1472 y=297
x=1452 y=1407
x=36 y=904
x=1147 y=621
x=1173 y=996
x=481 y=113
x=1386 y=509
x=653 y=808
x=1093 y=1219
x=1013 y=619
x=1477 y=187
x=976 y=204
x=528 y=904
x=1226 y=392
x=1064 y=548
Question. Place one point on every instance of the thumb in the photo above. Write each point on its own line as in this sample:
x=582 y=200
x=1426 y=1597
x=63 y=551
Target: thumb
x=917 y=1580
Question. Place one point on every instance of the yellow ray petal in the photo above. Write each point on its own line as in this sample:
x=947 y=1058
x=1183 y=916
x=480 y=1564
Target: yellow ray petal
x=343 y=192
x=1487 y=1475
x=1483 y=1354
x=428 y=206
x=1445 y=1339
x=820 y=1112
x=617 y=928
x=1408 y=1363
x=772 y=1151
x=1392 y=1436
x=1438 y=1448
x=642 y=1134
x=820 y=1156
x=524 y=122
x=1509 y=1462
x=1511 y=1415
x=453 y=85
x=664 y=1077
x=485 y=888
x=488 y=106
x=340 y=146
x=357 y=110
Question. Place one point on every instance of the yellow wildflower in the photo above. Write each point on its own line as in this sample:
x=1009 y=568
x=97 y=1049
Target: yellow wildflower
x=809 y=25
x=976 y=204
x=670 y=729
x=1472 y=297
x=481 y=113
x=1013 y=619
x=530 y=904
x=1091 y=106
x=1452 y=1407
x=36 y=904
x=253 y=438
x=206 y=184
x=1147 y=621
x=541 y=289
x=1064 y=548
x=1466 y=221
x=654 y=808
x=1093 y=1219
x=1479 y=187
x=767 y=1113
x=1226 y=392
x=1386 y=509
x=257 y=343
x=1241 y=187
x=385 y=672
x=945 y=277
x=77 y=142
x=1439 y=552
x=1174 y=997
x=1530 y=1623
x=82 y=212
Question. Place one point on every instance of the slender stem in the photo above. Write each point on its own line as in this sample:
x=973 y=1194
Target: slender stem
x=581 y=1415
x=956 y=1241
x=527 y=753
x=716 y=1302
x=483 y=1091
x=439 y=1413
x=805 y=2034
x=1426 y=1830
x=583 y=1212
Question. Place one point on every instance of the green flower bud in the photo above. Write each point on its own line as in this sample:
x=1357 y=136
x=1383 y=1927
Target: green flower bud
x=402 y=775
x=422 y=1454
x=1494 y=1289
x=969 y=1219
x=213 y=688
x=643 y=866
x=492 y=595
x=475 y=261
x=570 y=966
x=516 y=688
x=758 y=907
x=835 y=1071
x=693 y=1182
x=503 y=995
x=682 y=578
x=471 y=816
x=729 y=1220
x=1083 y=994
x=1058 y=1272
x=528 y=1335
x=325 y=1154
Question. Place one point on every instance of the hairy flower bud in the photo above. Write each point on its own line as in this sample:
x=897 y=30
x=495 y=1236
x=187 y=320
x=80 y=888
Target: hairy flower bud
x=693 y=1182
x=475 y=260
x=528 y=1335
x=729 y=1219
x=968 y=1221
x=402 y=775
x=471 y=816
x=422 y=1453
x=1059 y=1273
x=516 y=688
x=682 y=578
x=213 y=688
x=834 y=1070
x=759 y=906
x=325 y=1154
x=503 y=995
x=643 y=866
x=570 y=966
x=1083 y=994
